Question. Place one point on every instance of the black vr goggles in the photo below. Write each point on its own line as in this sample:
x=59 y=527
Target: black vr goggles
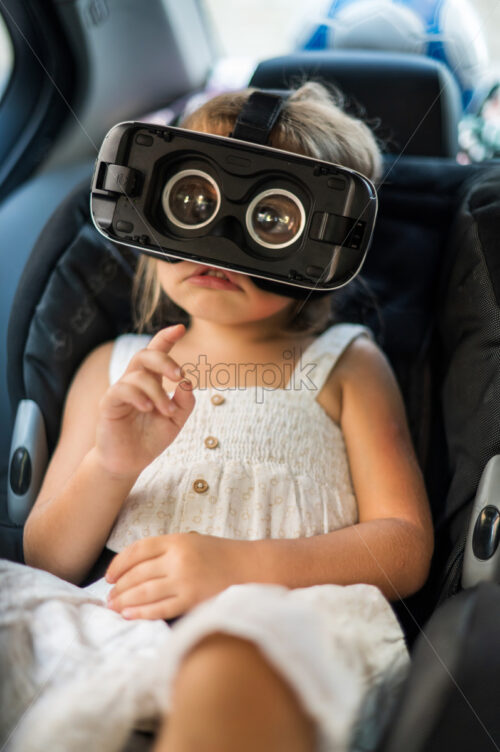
x=297 y=226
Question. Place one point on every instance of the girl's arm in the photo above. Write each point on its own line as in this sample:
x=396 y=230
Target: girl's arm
x=109 y=435
x=78 y=501
x=391 y=546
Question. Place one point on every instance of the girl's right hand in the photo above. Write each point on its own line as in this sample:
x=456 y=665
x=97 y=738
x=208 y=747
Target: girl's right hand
x=137 y=419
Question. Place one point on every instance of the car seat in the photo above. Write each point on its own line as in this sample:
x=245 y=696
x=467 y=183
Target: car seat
x=434 y=217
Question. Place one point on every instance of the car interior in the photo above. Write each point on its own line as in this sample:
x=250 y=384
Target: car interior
x=429 y=289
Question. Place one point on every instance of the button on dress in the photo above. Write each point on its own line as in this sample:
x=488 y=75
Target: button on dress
x=253 y=463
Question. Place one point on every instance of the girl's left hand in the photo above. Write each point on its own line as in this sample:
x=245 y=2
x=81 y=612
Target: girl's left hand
x=165 y=576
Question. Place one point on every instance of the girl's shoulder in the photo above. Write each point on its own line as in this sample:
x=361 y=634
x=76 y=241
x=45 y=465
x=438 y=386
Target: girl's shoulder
x=364 y=376
x=92 y=379
x=334 y=353
x=89 y=383
x=93 y=370
x=362 y=355
x=106 y=362
x=337 y=343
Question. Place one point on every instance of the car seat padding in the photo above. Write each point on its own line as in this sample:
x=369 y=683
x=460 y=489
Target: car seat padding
x=469 y=329
x=73 y=295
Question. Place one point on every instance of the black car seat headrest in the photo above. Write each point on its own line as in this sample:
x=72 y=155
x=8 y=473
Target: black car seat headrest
x=415 y=99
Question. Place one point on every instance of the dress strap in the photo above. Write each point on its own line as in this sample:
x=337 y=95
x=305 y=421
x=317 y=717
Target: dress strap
x=124 y=348
x=323 y=354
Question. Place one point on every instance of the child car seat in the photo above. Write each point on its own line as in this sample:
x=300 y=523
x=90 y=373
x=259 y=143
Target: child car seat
x=75 y=289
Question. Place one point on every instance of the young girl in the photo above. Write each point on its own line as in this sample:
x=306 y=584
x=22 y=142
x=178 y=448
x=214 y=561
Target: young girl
x=277 y=516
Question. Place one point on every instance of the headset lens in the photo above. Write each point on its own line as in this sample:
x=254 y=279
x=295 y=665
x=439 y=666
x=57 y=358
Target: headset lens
x=275 y=218
x=191 y=199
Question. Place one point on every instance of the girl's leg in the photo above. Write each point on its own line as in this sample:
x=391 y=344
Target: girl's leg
x=227 y=697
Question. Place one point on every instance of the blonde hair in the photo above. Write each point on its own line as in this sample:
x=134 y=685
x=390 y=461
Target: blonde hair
x=313 y=123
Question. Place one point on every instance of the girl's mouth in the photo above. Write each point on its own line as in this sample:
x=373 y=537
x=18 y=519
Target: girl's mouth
x=212 y=278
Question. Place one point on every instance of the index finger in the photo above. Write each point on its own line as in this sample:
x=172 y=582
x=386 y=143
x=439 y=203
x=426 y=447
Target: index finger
x=165 y=338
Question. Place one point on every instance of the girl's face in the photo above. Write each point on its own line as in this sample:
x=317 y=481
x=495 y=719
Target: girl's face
x=243 y=305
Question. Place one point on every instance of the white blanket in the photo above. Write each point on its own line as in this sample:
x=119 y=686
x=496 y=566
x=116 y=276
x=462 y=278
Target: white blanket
x=74 y=674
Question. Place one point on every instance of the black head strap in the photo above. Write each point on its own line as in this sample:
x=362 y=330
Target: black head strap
x=259 y=115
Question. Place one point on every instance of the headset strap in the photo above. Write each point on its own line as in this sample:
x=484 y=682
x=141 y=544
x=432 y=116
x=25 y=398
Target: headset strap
x=258 y=116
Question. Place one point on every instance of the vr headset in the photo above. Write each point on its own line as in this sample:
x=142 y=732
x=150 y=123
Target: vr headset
x=297 y=226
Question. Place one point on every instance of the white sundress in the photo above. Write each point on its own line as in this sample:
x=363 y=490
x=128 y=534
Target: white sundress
x=253 y=463
x=248 y=463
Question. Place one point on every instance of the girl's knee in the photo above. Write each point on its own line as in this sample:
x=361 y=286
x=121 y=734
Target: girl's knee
x=220 y=658
x=231 y=673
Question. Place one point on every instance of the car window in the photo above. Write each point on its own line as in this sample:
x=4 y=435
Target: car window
x=260 y=28
x=489 y=13
x=264 y=28
x=6 y=57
